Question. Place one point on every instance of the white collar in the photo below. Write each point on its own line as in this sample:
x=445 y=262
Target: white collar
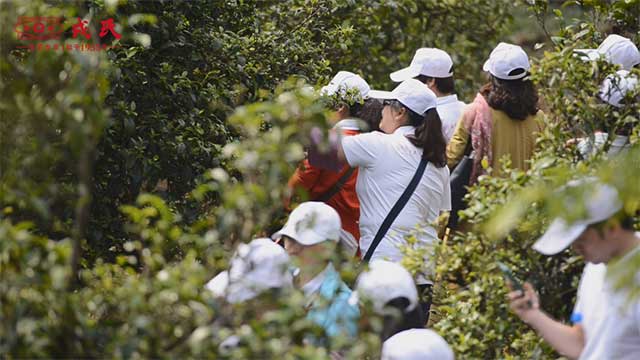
x=347 y=124
x=447 y=99
x=314 y=284
x=405 y=130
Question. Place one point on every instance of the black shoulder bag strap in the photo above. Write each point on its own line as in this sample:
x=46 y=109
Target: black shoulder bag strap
x=336 y=187
x=395 y=210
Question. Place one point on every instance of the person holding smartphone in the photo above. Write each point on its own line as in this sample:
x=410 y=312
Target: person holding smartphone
x=605 y=325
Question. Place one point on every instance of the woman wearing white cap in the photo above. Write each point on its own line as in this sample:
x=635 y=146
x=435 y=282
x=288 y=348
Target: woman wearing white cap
x=391 y=290
x=403 y=180
x=258 y=267
x=310 y=236
x=348 y=94
x=615 y=49
x=504 y=119
x=258 y=272
x=614 y=91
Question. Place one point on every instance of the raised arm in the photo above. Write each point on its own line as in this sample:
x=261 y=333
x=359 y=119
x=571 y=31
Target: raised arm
x=567 y=340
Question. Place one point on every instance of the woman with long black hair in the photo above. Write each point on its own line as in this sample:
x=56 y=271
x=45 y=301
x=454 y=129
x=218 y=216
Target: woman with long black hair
x=409 y=150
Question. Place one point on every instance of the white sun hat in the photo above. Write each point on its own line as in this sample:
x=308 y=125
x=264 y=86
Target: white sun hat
x=385 y=281
x=616 y=86
x=416 y=344
x=506 y=58
x=431 y=62
x=255 y=267
x=615 y=49
x=343 y=81
x=412 y=94
x=311 y=223
x=601 y=202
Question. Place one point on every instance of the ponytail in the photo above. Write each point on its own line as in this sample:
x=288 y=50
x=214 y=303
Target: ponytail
x=429 y=137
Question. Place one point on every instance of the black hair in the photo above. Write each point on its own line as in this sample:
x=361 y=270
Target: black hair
x=444 y=85
x=354 y=108
x=371 y=113
x=627 y=223
x=517 y=98
x=401 y=318
x=428 y=135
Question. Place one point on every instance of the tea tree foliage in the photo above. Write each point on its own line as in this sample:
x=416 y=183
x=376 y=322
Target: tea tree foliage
x=184 y=66
x=128 y=176
x=506 y=215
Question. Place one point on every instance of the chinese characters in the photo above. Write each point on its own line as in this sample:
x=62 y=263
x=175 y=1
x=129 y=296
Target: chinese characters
x=39 y=28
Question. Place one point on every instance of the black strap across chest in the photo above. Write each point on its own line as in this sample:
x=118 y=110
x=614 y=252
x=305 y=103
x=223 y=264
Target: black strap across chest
x=396 y=209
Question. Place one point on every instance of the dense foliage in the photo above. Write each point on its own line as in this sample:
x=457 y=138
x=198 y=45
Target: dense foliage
x=126 y=180
x=508 y=214
x=184 y=66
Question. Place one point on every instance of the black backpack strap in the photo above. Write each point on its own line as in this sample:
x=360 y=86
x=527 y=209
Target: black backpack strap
x=395 y=210
x=336 y=187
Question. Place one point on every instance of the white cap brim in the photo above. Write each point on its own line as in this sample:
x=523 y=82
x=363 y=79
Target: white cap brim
x=485 y=66
x=305 y=237
x=384 y=95
x=602 y=202
x=328 y=90
x=587 y=54
x=404 y=74
x=218 y=285
x=558 y=237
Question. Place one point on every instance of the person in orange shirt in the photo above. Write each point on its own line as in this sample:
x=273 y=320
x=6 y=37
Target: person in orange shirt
x=348 y=94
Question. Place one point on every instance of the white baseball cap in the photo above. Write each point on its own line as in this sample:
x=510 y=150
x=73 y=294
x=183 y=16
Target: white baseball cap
x=506 y=58
x=343 y=81
x=412 y=94
x=615 y=49
x=416 y=344
x=255 y=267
x=601 y=202
x=616 y=86
x=311 y=223
x=385 y=281
x=431 y=62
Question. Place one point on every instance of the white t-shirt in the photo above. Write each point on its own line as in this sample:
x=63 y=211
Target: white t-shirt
x=387 y=163
x=450 y=110
x=590 y=311
x=623 y=331
x=588 y=148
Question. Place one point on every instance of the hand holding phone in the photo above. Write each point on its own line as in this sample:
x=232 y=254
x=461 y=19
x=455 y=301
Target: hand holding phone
x=525 y=302
x=508 y=275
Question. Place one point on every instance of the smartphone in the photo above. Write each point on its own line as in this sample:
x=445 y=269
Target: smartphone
x=508 y=275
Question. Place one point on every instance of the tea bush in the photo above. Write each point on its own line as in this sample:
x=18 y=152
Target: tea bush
x=506 y=215
x=128 y=176
x=184 y=66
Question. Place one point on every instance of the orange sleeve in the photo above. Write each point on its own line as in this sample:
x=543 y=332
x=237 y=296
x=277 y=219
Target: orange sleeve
x=306 y=176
